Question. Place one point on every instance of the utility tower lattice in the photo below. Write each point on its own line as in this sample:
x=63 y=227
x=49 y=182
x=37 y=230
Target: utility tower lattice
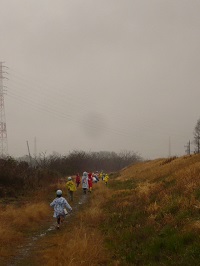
x=3 y=131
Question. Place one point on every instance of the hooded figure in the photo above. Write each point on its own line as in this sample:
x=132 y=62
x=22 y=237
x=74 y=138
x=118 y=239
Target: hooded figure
x=106 y=179
x=90 y=182
x=59 y=204
x=71 y=188
x=78 y=180
x=85 y=182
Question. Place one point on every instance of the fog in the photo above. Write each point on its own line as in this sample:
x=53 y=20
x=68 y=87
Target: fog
x=101 y=75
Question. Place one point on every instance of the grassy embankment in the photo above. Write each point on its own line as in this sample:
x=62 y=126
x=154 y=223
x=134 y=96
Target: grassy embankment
x=149 y=215
x=153 y=216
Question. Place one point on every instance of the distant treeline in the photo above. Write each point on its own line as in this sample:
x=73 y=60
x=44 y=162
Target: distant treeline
x=80 y=161
x=18 y=176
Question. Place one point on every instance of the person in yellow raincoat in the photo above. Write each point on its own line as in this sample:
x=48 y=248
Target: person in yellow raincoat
x=71 y=188
x=106 y=179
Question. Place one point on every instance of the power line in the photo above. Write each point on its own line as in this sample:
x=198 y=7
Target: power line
x=29 y=92
x=63 y=100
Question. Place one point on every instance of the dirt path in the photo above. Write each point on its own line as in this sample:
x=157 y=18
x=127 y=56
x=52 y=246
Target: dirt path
x=27 y=251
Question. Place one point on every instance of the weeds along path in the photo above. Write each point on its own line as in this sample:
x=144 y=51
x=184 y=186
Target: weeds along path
x=78 y=242
x=82 y=242
x=26 y=250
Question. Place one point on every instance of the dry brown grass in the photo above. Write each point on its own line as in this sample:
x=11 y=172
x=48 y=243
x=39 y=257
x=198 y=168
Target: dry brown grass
x=81 y=243
x=153 y=208
x=167 y=187
x=161 y=200
x=26 y=216
x=152 y=177
x=14 y=221
x=165 y=193
x=194 y=226
x=21 y=217
x=153 y=170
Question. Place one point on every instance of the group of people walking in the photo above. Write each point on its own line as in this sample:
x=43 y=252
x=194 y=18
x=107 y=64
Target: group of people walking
x=60 y=204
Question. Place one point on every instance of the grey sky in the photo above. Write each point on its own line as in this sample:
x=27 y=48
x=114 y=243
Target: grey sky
x=101 y=75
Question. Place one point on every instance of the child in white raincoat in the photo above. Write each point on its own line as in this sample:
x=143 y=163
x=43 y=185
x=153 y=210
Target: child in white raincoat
x=59 y=204
x=85 y=182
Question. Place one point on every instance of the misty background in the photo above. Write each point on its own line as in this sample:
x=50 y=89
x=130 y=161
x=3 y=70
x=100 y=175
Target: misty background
x=101 y=75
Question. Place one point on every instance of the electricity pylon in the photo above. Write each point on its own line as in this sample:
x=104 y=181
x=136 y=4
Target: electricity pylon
x=3 y=131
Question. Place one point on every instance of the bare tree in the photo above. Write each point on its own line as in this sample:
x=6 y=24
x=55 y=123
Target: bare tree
x=197 y=136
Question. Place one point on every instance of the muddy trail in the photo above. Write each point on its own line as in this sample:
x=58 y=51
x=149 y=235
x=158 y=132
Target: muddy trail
x=27 y=251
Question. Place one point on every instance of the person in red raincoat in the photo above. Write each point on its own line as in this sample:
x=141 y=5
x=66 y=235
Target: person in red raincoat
x=90 y=182
x=78 y=180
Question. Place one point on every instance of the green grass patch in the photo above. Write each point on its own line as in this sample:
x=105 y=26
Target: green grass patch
x=138 y=234
x=114 y=175
x=125 y=184
x=197 y=194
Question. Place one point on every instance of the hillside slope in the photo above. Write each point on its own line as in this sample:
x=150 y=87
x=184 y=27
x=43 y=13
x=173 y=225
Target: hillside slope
x=153 y=214
x=149 y=214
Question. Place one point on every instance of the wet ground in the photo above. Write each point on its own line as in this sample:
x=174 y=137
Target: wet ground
x=25 y=251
